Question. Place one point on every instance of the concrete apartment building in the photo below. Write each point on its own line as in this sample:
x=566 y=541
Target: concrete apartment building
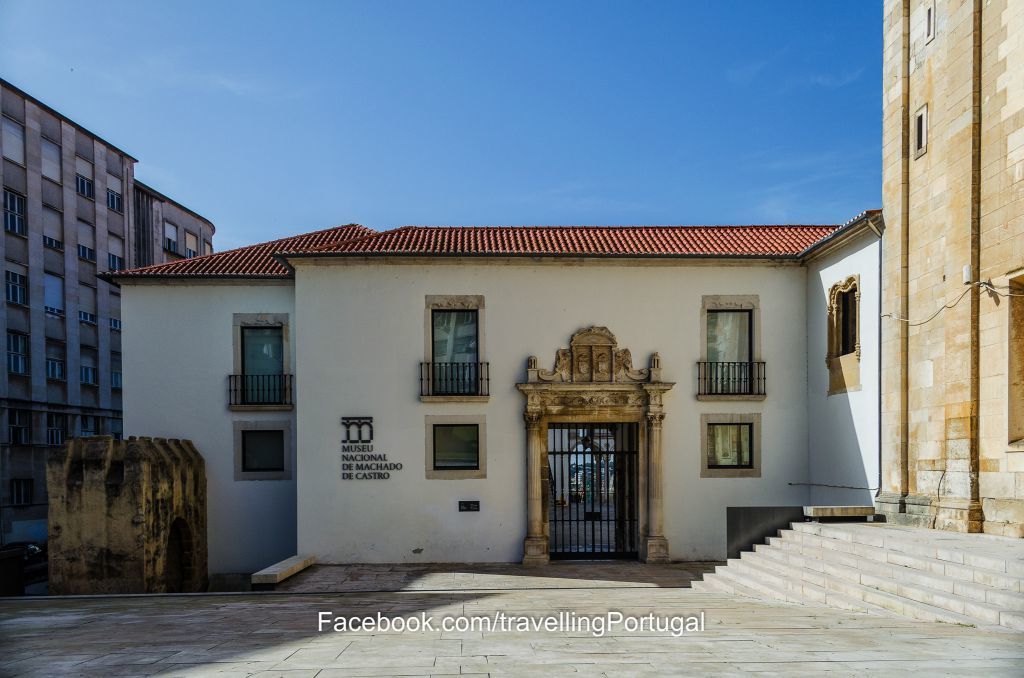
x=72 y=209
x=952 y=435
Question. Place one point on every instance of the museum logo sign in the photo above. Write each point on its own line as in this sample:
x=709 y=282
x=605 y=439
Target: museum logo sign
x=359 y=459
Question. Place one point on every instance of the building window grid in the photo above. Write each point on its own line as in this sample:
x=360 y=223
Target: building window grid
x=85 y=187
x=115 y=324
x=53 y=243
x=56 y=428
x=56 y=369
x=116 y=380
x=17 y=353
x=16 y=288
x=115 y=263
x=115 y=201
x=87 y=317
x=14 y=213
x=89 y=375
x=86 y=253
x=88 y=425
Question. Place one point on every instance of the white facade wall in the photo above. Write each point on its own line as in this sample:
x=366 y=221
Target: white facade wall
x=843 y=428
x=360 y=339
x=178 y=353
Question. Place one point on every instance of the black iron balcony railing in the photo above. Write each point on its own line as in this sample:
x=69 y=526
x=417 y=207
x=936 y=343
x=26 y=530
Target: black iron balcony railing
x=454 y=379
x=730 y=379
x=260 y=389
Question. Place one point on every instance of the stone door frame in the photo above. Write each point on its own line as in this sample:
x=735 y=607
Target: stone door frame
x=593 y=381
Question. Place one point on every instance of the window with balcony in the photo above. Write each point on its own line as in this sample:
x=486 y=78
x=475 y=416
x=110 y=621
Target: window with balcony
x=17 y=353
x=262 y=380
x=15 y=288
x=453 y=368
x=14 y=213
x=729 y=368
x=56 y=428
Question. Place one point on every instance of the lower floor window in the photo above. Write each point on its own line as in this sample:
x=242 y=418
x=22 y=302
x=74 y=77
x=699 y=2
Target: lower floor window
x=456 y=447
x=262 y=451
x=729 y=445
x=89 y=425
x=55 y=429
x=19 y=427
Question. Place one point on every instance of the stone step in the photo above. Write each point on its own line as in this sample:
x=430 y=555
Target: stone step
x=793 y=588
x=812 y=544
x=988 y=552
x=853 y=582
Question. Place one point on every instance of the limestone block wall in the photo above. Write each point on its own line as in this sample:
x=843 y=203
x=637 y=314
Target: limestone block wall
x=126 y=516
x=950 y=446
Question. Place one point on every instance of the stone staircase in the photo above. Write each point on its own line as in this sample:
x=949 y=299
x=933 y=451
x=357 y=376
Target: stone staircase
x=930 y=575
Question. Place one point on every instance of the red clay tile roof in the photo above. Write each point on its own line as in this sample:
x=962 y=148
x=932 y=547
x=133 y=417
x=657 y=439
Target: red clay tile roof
x=253 y=261
x=264 y=260
x=623 y=241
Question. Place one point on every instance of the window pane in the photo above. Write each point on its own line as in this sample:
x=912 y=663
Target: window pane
x=53 y=296
x=262 y=350
x=14 y=141
x=51 y=160
x=456 y=446
x=454 y=336
x=262 y=450
x=729 y=445
x=728 y=336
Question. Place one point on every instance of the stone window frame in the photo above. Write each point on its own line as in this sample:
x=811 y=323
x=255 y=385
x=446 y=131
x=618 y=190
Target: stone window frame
x=843 y=369
x=1015 y=361
x=752 y=418
x=263 y=425
x=430 y=421
x=731 y=302
x=453 y=302
x=920 y=115
x=240 y=320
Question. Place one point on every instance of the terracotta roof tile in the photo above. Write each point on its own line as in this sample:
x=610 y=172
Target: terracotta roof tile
x=626 y=241
x=253 y=261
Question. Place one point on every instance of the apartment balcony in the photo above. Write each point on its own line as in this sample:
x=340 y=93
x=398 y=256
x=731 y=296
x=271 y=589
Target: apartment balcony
x=731 y=381
x=454 y=382
x=260 y=392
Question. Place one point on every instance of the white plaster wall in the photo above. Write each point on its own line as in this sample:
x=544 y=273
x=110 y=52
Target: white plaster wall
x=177 y=355
x=359 y=338
x=843 y=428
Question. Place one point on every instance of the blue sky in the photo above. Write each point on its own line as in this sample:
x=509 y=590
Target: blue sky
x=278 y=118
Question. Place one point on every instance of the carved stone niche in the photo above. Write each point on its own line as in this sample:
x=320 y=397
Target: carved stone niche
x=593 y=357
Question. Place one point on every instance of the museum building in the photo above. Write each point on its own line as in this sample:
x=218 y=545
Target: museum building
x=505 y=394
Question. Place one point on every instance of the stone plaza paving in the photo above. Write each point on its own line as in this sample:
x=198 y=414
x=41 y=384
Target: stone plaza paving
x=275 y=634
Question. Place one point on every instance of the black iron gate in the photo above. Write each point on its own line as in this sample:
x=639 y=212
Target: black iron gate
x=592 y=474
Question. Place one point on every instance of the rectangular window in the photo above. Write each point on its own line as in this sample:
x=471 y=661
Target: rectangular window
x=53 y=229
x=263 y=365
x=16 y=288
x=262 y=451
x=117 y=428
x=89 y=425
x=55 y=369
x=730 y=336
x=191 y=245
x=115 y=324
x=921 y=131
x=848 y=322
x=87 y=304
x=17 y=353
x=729 y=446
x=56 y=429
x=19 y=427
x=114 y=200
x=115 y=253
x=53 y=294
x=14 y=212
x=116 y=380
x=89 y=375
x=929 y=22
x=14 y=141
x=85 y=187
x=51 y=160
x=170 y=237
x=207 y=247
x=87 y=253
x=456 y=447
x=455 y=355
x=21 y=491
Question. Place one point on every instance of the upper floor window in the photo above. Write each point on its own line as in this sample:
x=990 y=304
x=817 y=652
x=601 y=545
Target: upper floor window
x=929 y=21
x=83 y=178
x=21 y=491
x=455 y=357
x=53 y=294
x=843 y=355
x=55 y=369
x=16 y=288
x=56 y=428
x=19 y=427
x=53 y=229
x=263 y=365
x=191 y=245
x=89 y=376
x=170 y=237
x=729 y=368
x=51 y=160
x=14 y=141
x=117 y=428
x=89 y=425
x=17 y=353
x=114 y=201
x=921 y=131
x=14 y=212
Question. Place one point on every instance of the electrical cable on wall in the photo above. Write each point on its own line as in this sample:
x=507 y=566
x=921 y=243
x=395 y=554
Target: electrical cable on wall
x=983 y=284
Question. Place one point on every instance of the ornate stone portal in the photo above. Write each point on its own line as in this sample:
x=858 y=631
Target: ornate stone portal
x=594 y=381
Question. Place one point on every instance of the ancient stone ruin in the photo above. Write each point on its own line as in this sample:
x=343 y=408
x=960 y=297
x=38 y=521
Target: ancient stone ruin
x=127 y=516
